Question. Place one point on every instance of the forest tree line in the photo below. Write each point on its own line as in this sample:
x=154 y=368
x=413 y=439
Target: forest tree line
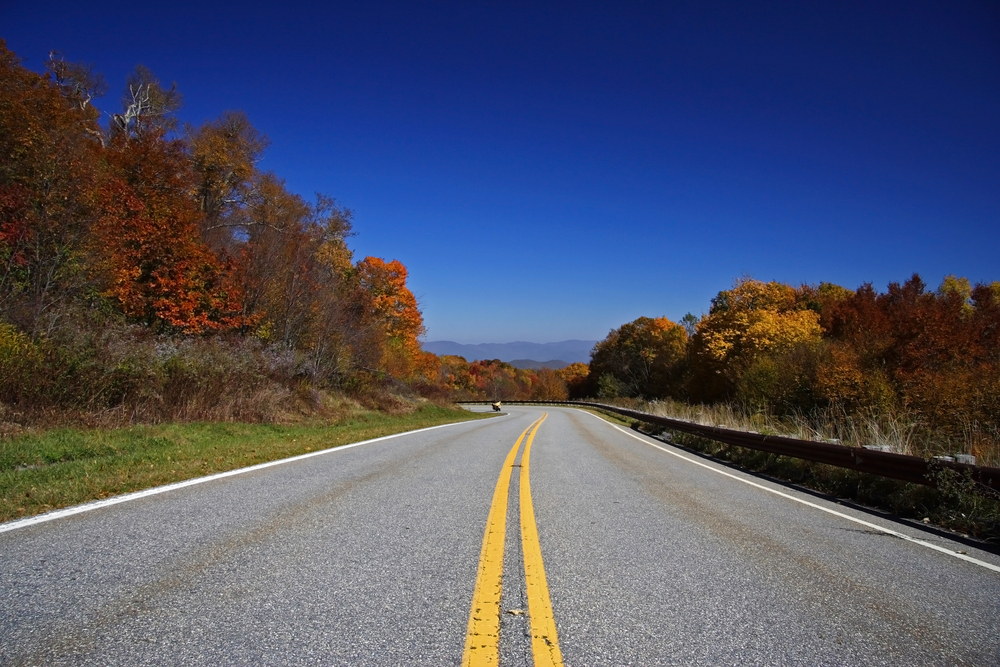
x=151 y=271
x=155 y=270
x=928 y=360
x=931 y=357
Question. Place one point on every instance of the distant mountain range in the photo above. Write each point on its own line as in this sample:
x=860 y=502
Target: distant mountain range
x=567 y=351
x=554 y=364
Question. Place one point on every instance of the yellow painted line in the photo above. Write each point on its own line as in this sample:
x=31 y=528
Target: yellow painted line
x=483 y=635
x=544 y=641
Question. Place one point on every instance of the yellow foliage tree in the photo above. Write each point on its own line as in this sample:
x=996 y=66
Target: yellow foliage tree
x=575 y=377
x=755 y=317
x=393 y=305
x=752 y=319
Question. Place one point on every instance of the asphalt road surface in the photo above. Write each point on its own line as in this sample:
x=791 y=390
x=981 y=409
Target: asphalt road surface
x=369 y=555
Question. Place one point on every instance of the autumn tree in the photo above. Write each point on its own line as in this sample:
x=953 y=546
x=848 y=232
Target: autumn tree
x=183 y=236
x=277 y=262
x=50 y=162
x=641 y=358
x=79 y=83
x=392 y=305
x=224 y=154
x=149 y=254
x=293 y=262
x=935 y=352
x=455 y=378
x=494 y=379
x=300 y=287
x=744 y=325
x=339 y=338
x=146 y=106
x=549 y=385
x=575 y=377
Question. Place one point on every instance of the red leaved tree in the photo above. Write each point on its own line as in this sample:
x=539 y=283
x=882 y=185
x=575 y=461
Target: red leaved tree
x=151 y=258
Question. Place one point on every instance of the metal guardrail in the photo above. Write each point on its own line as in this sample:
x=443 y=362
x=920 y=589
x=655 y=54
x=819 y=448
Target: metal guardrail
x=886 y=464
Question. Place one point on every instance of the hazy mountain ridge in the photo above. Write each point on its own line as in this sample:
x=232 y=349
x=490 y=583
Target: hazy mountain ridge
x=554 y=364
x=569 y=351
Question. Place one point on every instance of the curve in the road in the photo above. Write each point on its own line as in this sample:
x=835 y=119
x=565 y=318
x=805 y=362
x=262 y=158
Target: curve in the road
x=371 y=559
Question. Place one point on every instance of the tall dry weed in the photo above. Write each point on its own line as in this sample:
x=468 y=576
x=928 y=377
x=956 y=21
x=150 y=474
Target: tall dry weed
x=898 y=432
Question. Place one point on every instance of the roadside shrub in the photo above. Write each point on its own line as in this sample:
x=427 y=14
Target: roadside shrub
x=783 y=382
x=19 y=361
x=608 y=386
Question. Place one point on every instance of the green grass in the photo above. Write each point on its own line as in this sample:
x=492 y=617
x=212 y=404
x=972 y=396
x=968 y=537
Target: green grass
x=64 y=467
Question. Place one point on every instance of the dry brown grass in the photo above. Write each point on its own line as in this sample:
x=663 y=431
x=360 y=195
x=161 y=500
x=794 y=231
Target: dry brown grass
x=901 y=433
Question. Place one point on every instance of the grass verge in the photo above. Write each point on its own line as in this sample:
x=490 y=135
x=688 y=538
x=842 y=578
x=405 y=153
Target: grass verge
x=64 y=467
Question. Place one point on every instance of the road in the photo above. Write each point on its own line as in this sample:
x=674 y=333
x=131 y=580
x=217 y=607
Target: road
x=370 y=555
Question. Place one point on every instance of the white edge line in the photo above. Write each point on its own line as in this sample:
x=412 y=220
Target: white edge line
x=881 y=529
x=107 y=502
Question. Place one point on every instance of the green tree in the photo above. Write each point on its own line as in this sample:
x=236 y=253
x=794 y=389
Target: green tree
x=644 y=356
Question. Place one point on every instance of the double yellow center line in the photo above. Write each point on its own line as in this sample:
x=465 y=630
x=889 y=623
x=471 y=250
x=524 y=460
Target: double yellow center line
x=483 y=636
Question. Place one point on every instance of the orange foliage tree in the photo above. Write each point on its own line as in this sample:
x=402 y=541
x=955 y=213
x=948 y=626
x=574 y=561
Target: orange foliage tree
x=152 y=261
x=393 y=306
x=494 y=379
x=934 y=353
x=548 y=385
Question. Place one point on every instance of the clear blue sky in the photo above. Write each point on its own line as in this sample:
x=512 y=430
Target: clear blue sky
x=551 y=171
